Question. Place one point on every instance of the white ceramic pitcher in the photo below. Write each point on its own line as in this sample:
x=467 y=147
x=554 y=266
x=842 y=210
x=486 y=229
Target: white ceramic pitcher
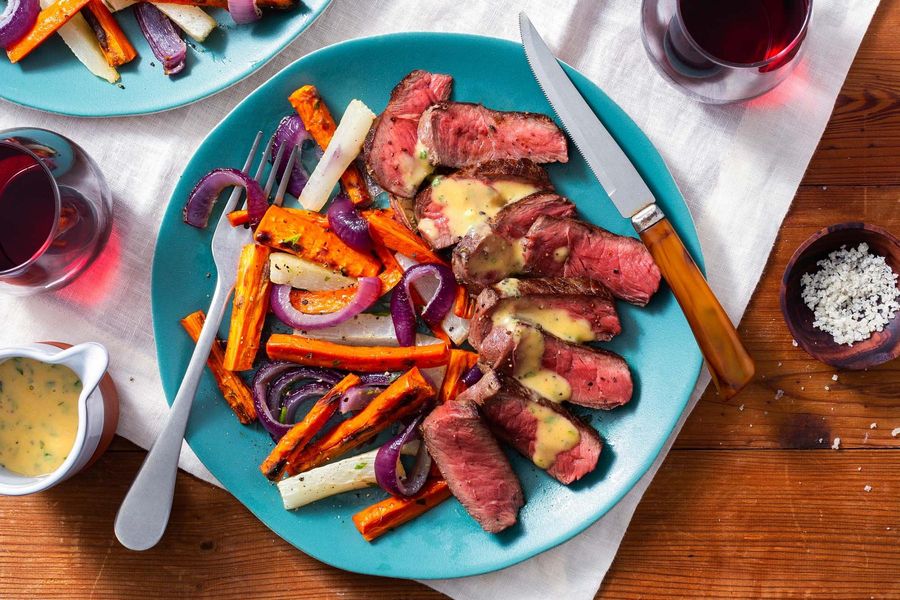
x=97 y=411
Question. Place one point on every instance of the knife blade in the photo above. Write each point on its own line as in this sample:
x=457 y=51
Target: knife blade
x=615 y=172
x=729 y=363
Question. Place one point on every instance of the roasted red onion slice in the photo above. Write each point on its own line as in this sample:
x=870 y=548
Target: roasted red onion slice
x=368 y=290
x=164 y=39
x=436 y=308
x=358 y=397
x=200 y=203
x=313 y=391
x=348 y=224
x=17 y=20
x=388 y=457
x=269 y=416
x=291 y=131
x=472 y=376
x=244 y=11
x=276 y=390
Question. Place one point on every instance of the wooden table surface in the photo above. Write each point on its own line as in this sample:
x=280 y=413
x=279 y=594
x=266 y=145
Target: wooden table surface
x=752 y=502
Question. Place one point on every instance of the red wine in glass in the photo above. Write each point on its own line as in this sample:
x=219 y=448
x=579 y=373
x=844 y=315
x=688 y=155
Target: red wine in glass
x=28 y=207
x=725 y=50
x=55 y=211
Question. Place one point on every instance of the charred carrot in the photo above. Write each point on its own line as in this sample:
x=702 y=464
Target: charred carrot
x=463 y=305
x=234 y=390
x=403 y=398
x=460 y=362
x=389 y=514
x=329 y=301
x=365 y=359
x=388 y=231
x=321 y=125
x=238 y=217
x=295 y=440
x=113 y=42
x=248 y=312
x=307 y=234
x=48 y=22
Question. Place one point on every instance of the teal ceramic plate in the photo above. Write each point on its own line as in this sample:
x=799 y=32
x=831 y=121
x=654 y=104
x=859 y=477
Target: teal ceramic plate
x=445 y=542
x=52 y=79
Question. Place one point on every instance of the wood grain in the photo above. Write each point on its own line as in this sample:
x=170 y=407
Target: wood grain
x=752 y=502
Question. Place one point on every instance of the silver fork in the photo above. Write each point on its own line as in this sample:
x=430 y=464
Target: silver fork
x=144 y=514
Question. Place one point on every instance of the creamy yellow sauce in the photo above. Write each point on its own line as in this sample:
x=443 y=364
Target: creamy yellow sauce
x=38 y=415
x=554 y=435
x=556 y=321
x=530 y=372
x=470 y=202
x=415 y=168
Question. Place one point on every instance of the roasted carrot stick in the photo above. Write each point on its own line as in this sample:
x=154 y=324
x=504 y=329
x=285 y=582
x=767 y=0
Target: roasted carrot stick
x=322 y=302
x=238 y=217
x=48 y=22
x=406 y=396
x=389 y=514
x=318 y=121
x=113 y=41
x=388 y=231
x=463 y=305
x=300 y=434
x=307 y=235
x=365 y=359
x=460 y=362
x=248 y=312
x=234 y=390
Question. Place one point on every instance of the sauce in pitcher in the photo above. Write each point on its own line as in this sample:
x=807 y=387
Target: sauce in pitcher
x=38 y=415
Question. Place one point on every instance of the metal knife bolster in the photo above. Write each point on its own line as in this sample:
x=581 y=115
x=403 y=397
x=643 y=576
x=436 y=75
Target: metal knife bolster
x=647 y=217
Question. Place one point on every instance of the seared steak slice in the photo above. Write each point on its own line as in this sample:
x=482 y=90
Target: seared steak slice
x=555 y=247
x=575 y=310
x=390 y=148
x=544 y=432
x=490 y=253
x=558 y=370
x=453 y=204
x=470 y=459
x=459 y=134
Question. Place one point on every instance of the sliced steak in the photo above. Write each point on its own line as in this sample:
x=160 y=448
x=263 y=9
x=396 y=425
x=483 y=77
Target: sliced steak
x=558 y=370
x=555 y=247
x=455 y=203
x=475 y=467
x=490 y=253
x=390 y=148
x=459 y=134
x=544 y=432
x=575 y=310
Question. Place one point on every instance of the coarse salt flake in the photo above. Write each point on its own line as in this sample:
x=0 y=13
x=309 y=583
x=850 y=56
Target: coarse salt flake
x=852 y=295
x=779 y=394
x=836 y=444
x=834 y=377
x=895 y=432
x=867 y=488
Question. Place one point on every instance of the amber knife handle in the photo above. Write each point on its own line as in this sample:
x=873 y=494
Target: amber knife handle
x=729 y=363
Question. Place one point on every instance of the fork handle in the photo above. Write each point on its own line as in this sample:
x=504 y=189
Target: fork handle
x=729 y=363
x=144 y=514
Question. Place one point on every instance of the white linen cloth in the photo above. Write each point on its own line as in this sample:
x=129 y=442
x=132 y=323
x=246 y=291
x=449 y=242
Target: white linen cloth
x=738 y=166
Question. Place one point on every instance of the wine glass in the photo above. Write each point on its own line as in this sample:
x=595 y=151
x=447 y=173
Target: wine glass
x=721 y=51
x=55 y=211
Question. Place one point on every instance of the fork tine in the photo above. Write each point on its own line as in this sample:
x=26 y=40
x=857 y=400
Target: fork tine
x=274 y=172
x=265 y=157
x=285 y=178
x=237 y=191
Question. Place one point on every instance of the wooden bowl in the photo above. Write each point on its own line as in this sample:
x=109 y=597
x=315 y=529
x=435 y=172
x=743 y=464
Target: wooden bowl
x=882 y=346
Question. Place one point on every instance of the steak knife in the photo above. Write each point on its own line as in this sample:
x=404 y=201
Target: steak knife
x=729 y=363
